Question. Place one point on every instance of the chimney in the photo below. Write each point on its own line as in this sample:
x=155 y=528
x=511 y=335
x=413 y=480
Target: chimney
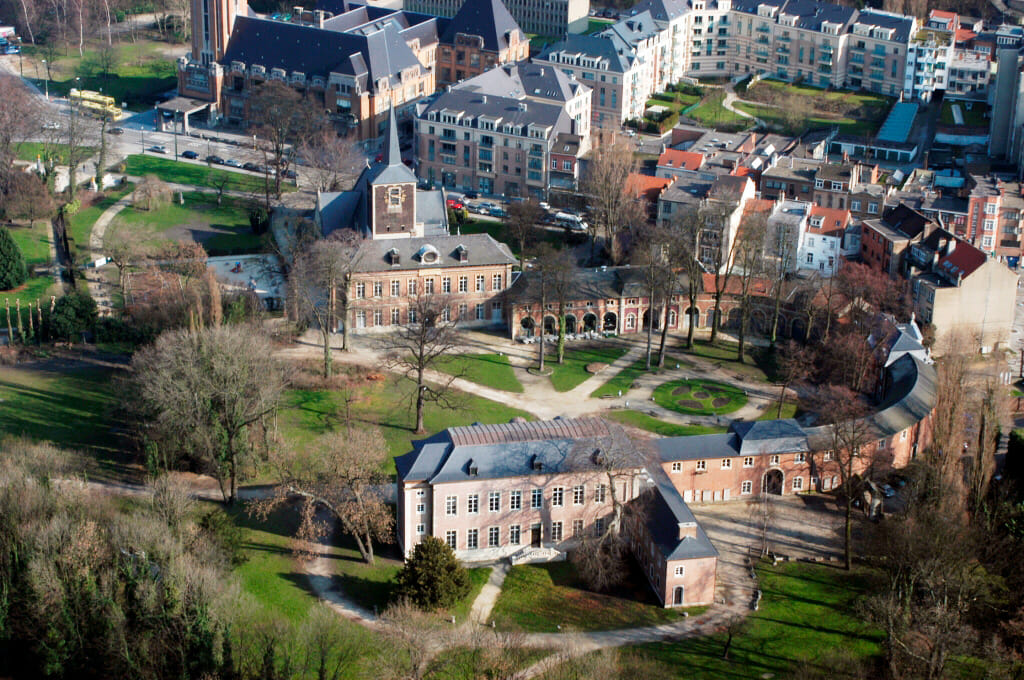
x=297 y=13
x=687 y=530
x=318 y=17
x=846 y=157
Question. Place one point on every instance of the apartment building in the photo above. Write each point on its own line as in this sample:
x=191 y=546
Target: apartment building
x=944 y=55
x=821 y=247
x=529 y=490
x=878 y=46
x=983 y=207
x=543 y=17
x=885 y=240
x=480 y=36
x=499 y=133
x=790 y=177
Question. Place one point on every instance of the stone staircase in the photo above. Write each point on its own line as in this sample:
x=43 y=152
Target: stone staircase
x=533 y=555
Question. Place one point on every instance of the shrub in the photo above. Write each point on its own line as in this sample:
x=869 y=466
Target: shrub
x=73 y=314
x=432 y=577
x=227 y=535
x=12 y=263
x=259 y=220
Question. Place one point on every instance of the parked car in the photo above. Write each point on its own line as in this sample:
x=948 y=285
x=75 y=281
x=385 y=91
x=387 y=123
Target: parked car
x=544 y=206
x=472 y=194
x=115 y=131
x=51 y=125
x=291 y=174
x=157 y=148
x=455 y=204
x=192 y=155
x=215 y=160
x=231 y=163
x=498 y=212
x=252 y=167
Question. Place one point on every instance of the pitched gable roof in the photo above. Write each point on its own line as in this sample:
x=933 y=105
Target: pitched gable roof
x=488 y=19
x=683 y=160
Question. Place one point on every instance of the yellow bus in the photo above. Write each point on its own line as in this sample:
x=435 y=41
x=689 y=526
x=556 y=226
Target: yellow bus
x=99 y=110
x=90 y=96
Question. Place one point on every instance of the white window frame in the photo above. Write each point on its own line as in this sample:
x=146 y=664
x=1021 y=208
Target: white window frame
x=451 y=506
x=748 y=462
x=746 y=487
x=727 y=463
x=515 y=500
x=473 y=504
x=515 y=534
x=494 y=501
x=556 y=531
x=677 y=467
x=557 y=497
x=451 y=537
x=578 y=494
x=493 y=537
x=536 y=499
x=702 y=466
x=472 y=539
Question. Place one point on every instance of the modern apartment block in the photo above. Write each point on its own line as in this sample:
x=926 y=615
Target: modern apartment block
x=499 y=133
x=543 y=17
x=946 y=54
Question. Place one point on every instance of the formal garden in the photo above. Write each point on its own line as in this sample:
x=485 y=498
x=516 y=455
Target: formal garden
x=699 y=397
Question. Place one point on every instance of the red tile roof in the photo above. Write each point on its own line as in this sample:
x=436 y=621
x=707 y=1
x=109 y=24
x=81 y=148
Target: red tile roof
x=965 y=34
x=963 y=261
x=685 y=160
x=646 y=186
x=833 y=221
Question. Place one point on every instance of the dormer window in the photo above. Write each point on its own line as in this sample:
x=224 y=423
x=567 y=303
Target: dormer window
x=394 y=257
x=428 y=254
x=462 y=253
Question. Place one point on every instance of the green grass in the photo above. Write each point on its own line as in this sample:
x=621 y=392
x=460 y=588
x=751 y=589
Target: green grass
x=80 y=224
x=596 y=25
x=140 y=75
x=847 y=126
x=659 y=427
x=789 y=410
x=573 y=371
x=490 y=370
x=538 y=598
x=477 y=580
x=195 y=175
x=33 y=241
x=807 y=614
x=223 y=229
x=499 y=232
x=711 y=113
x=975 y=117
x=36 y=288
x=463 y=663
x=723 y=354
x=30 y=151
x=855 y=113
x=624 y=379
x=674 y=396
x=73 y=408
x=384 y=404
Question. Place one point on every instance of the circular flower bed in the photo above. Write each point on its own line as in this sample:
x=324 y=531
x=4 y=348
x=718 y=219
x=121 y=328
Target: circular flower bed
x=699 y=397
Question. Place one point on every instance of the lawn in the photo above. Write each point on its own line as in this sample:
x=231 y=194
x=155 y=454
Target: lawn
x=723 y=353
x=72 y=408
x=711 y=113
x=597 y=25
x=624 y=379
x=699 y=397
x=30 y=151
x=659 y=427
x=80 y=224
x=776 y=118
x=194 y=174
x=385 y=404
x=573 y=370
x=33 y=241
x=973 y=117
x=499 y=232
x=856 y=113
x=537 y=598
x=806 y=620
x=140 y=75
x=789 y=410
x=223 y=229
x=35 y=289
x=490 y=370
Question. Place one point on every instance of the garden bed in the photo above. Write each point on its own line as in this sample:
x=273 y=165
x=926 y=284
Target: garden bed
x=699 y=397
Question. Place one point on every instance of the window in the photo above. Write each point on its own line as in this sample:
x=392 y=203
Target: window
x=451 y=538
x=577 y=495
x=798 y=483
x=514 y=534
x=702 y=466
x=446 y=285
x=774 y=460
x=412 y=316
x=986 y=241
x=451 y=505
x=496 y=282
x=577 y=528
x=396 y=316
x=819 y=184
x=446 y=313
x=872 y=208
x=463 y=284
x=990 y=208
x=680 y=571
x=557 y=497
x=463 y=311
x=800 y=458
x=727 y=463
x=567 y=165
x=903 y=436
x=480 y=313
x=421 y=507
x=881 y=444
x=746 y=487
x=421 y=493
x=421 y=529
x=810 y=258
x=480 y=283
x=515 y=500
x=556 y=531
x=378 y=317
x=360 y=291
x=554 y=164
x=472 y=539
x=748 y=462
x=428 y=286
x=600 y=492
x=473 y=503
x=396 y=288
x=988 y=225
x=536 y=498
x=412 y=286
x=599 y=526
x=827 y=456
x=494 y=501
x=378 y=288
x=677 y=467
x=630 y=321
x=493 y=537
x=855 y=205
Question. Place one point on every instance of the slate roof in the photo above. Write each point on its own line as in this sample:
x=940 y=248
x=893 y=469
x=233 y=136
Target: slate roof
x=588 y=284
x=483 y=250
x=813 y=14
x=618 y=54
x=390 y=169
x=663 y=10
x=666 y=512
x=905 y=220
x=533 y=81
x=900 y=23
x=509 y=110
x=315 y=51
x=489 y=19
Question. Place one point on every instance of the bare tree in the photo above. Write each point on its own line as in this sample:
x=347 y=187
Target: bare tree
x=19 y=119
x=79 y=134
x=151 y=193
x=200 y=393
x=521 y=223
x=416 y=636
x=341 y=472
x=418 y=346
x=849 y=434
x=610 y=205
x=332 y=162
x=659 y=280
x=762 y=515
x=794 y=362
x=330 y=649
x=318 y=285
x=781 y=250
x=558 y=269
x=280 y=116
x=749 y=259
x=686 y=227
x=988 y=412
x=718 y=252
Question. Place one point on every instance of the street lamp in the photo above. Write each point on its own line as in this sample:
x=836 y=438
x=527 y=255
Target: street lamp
x=47 y=82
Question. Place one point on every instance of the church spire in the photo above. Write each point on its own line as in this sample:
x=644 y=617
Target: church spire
x=392 y=152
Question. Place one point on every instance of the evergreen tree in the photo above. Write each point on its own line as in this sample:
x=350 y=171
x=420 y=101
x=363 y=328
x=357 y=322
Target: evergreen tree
x=73 y=314
x=432 y=577
x=12 y=263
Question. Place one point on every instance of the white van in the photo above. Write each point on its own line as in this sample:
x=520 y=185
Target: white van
x=570 y=221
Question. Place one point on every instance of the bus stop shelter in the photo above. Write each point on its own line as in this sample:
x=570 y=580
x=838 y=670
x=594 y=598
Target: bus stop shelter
x=182 y=107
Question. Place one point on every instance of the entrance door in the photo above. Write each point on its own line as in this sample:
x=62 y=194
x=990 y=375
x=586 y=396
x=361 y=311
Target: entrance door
x=773 y=482
x=677 y=596
x=535 y=536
